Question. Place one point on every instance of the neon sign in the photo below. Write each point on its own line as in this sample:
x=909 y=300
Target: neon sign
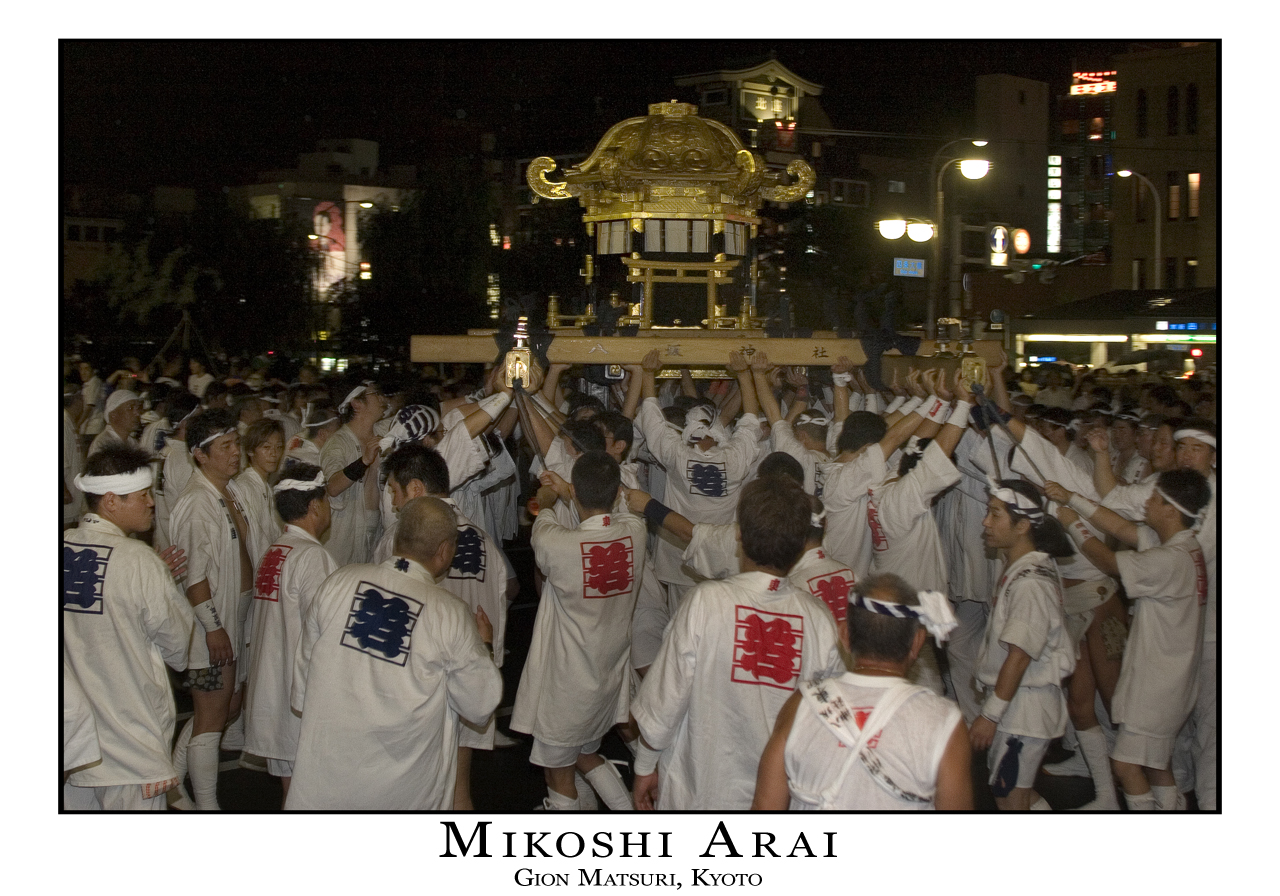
x=1087 y=83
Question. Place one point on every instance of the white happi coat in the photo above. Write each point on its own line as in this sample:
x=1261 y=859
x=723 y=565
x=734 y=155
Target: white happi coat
x=79 y=731
x=70 y=470
x=349 y=533
x=904 y=536
x=575 y=683
x=288 y=579
x=782 y=438
x=971 y=574
x=901 y=770
x=175 y=473
x=828 y=580
x=386 y=664
x=844 y=495
x=1026 y=612
x=202 y=526
x=731 y=657
x=123 y=620
x=259 y=512
x=1158 y=679
x=701 y=486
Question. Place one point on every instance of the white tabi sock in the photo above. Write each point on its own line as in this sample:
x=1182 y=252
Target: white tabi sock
x=1143 y=802
x=586 y=796
x=558 y=801
x=1041 y=805
x=1168 y=798
x=607 y=782
x=1093 y=746
x=180 y=765
x=202 y=762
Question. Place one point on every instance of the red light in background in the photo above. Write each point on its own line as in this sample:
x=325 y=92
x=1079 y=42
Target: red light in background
x=1197 y=353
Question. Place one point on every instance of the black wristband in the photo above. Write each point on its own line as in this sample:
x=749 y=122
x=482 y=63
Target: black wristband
x=655 y=512
x=355 y=470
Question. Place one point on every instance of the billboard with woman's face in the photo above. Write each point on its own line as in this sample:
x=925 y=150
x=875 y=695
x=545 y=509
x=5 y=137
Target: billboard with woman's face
x=330 y=244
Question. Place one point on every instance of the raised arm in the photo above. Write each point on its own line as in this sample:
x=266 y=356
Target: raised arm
x=638 y=502
x=635 y=377
x=1094 y=550
x=764 y=392
x=649 y=367
x=1105 y=519
x=741 y=368
x=840 y=372
x=1104 y=478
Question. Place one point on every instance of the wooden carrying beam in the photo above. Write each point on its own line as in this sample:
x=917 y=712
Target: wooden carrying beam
x=700 y=348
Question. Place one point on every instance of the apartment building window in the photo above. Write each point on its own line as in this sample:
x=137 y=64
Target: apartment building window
x=1070 y=127
x=1189 y=266
x=897 y=186
x=91 y=234
x=1095 y=128
x=73 y=233
x=1193 y=108
x=851 y=193
x=1170 y=273
x=1139 y=273
x=1141 y=113
x=1171 y=111
x=1174 y=202
x=1193 y=194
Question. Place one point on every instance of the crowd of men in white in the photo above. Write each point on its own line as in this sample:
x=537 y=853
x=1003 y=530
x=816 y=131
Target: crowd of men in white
x=783 y=594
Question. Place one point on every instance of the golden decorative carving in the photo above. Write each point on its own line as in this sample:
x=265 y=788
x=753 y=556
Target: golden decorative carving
x=804 y=179
x=536 y=176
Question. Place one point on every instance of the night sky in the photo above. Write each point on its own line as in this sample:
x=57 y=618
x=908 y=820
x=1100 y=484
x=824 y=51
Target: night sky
x=209 y=113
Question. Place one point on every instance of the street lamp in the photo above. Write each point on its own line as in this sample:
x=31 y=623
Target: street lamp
x=916 y=229
x=1157 y=261
x=973 y=169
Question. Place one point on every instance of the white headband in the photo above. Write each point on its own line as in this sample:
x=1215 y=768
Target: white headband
x=213 y=437
x=117 y=483
x=1020 y=502
x=354 y=393
x=913 y=447
x=815 y=419
x=1199 y=435
x=818 y=520
x=299 y=485
x=698 y=424
x=934 y=611
x=1182 y=510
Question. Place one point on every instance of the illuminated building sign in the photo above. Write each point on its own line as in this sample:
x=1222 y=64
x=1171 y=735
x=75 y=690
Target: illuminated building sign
x=908 y=267
x=1087 y=83
x=1053 y=222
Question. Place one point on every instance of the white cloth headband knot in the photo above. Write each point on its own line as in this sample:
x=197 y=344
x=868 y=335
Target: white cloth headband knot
x=934 y=611
x=818 y=520
x=214 y=436
x=299 y=485
x=117 y=483
x=816 y=419
x=1198 y=434
x=913 y=448
x=1020 y=502
x=697 y=424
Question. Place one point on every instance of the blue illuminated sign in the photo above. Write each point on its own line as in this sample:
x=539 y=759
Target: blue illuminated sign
x=908 y=267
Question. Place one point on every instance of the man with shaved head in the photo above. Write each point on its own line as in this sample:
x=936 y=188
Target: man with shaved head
x=386 y=662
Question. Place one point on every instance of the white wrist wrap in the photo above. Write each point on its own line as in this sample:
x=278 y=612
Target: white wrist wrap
x=932 y=408
x=1083 y=506
x=960 y=414
x=207 y=616
x=1079 y=533
x=495 y=404
x=857 y=401
x=873 y=403
x=910 y=405
x=646 y=761
x=993 y=708
x=896 y=404
x=842 y=379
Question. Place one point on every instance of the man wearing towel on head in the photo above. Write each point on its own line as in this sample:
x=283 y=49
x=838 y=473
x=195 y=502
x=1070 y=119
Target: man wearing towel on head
x=123 y=620
x=124 y=414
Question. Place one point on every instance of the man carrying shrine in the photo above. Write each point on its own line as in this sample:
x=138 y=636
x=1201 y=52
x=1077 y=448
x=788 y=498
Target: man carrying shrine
x=575 y=684
x=731 y=657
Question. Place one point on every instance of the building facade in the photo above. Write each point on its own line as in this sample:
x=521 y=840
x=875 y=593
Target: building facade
x=1166 y=123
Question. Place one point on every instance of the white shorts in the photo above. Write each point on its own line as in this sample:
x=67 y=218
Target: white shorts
x=552 y=756
x=1021 y=765
x=1142 y=749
